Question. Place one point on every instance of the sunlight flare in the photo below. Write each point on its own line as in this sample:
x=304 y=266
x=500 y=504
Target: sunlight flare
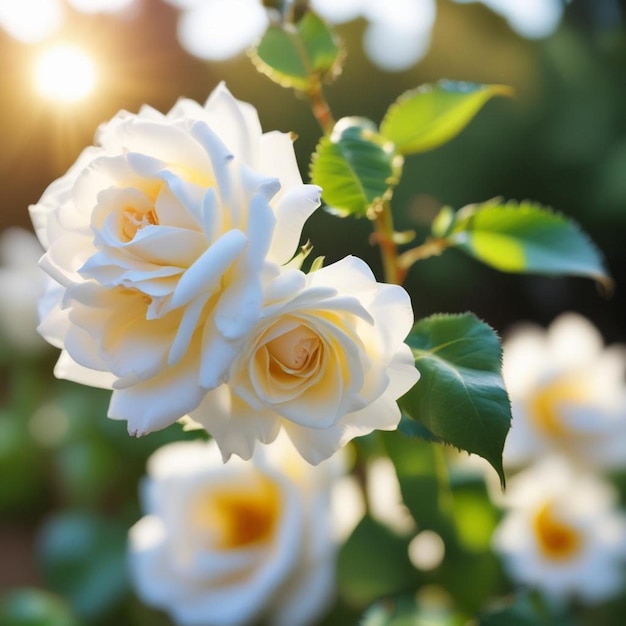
x=65 y=73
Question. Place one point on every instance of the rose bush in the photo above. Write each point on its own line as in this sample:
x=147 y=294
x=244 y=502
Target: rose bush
x=326 y=362
x=158 y=239
x=222 y=545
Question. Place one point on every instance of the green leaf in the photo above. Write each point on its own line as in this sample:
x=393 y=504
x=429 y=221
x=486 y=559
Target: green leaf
x=460 y=396
x=525 y=237
x=33 y=607
x=83 y=558
x=443 y=222
x=355 y=167
x=476 y=516
x=411 y=428
x=22 y=468
x=374 y=562
x=425 y=491
x=524 y=609
x=298 y=55
x=407 y=610
x=431 y=115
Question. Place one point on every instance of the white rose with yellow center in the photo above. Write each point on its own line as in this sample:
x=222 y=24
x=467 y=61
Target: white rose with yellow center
x=326 y=362
x=159 y=238
x=225 y=544
x=568 y=394
x=562 y=533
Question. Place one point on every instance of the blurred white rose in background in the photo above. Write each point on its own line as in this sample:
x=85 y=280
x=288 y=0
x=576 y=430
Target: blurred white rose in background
x=21 y=285
x=326 y=362
x=216 y=30
x=33 y=21
x=160 y=238
x=397 y=34
x=226 y=544
x=568 y=394
x=534 y=19
x=562 y=533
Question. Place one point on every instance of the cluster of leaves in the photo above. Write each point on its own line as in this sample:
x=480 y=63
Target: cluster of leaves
x=461 y=399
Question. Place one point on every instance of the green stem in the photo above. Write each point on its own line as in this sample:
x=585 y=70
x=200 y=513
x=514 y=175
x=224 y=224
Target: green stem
x=431 y=247
x=446 y=497
x=319 y=106
x=388 y=249
x=360 y=474
x=383 y=222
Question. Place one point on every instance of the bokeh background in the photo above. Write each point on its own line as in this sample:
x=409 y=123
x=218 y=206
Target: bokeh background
x=561 y=141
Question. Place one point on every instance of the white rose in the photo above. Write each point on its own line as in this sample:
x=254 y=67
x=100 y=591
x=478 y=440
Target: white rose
x=159 y=237
x=326 y=363
x=562 y=533
x=224 y=544
x=567 y=394
x=22 y=284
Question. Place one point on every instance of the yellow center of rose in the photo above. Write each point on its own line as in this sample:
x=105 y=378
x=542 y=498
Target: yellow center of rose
x=132 y=220
x=240 y=518
x=545 y=411
x=295 y=351
x=557 y=541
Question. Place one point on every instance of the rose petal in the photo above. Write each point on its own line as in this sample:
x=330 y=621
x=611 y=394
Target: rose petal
x=238 y=124
x=221 y=159
x=292 y=211
x=217 y=355
x=205 y=273
x=188 y=326
x=277 y=158
x=233 y=424
x=68 y=369
x=159 y=401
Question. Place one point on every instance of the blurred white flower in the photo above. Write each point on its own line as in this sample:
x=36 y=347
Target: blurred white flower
x=326 y=363
x=160 y=238
x=219 y=29
x=338 y=12
x=562 y=534
x=223 y=545
x=397 y=35
x=100 y=6
x=21 y=285
x=32 y=21
x=568 y=394
x=533 y=19
x=398 y=32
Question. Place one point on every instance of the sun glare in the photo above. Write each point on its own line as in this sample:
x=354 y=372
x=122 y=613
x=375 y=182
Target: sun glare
x=65 y=73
